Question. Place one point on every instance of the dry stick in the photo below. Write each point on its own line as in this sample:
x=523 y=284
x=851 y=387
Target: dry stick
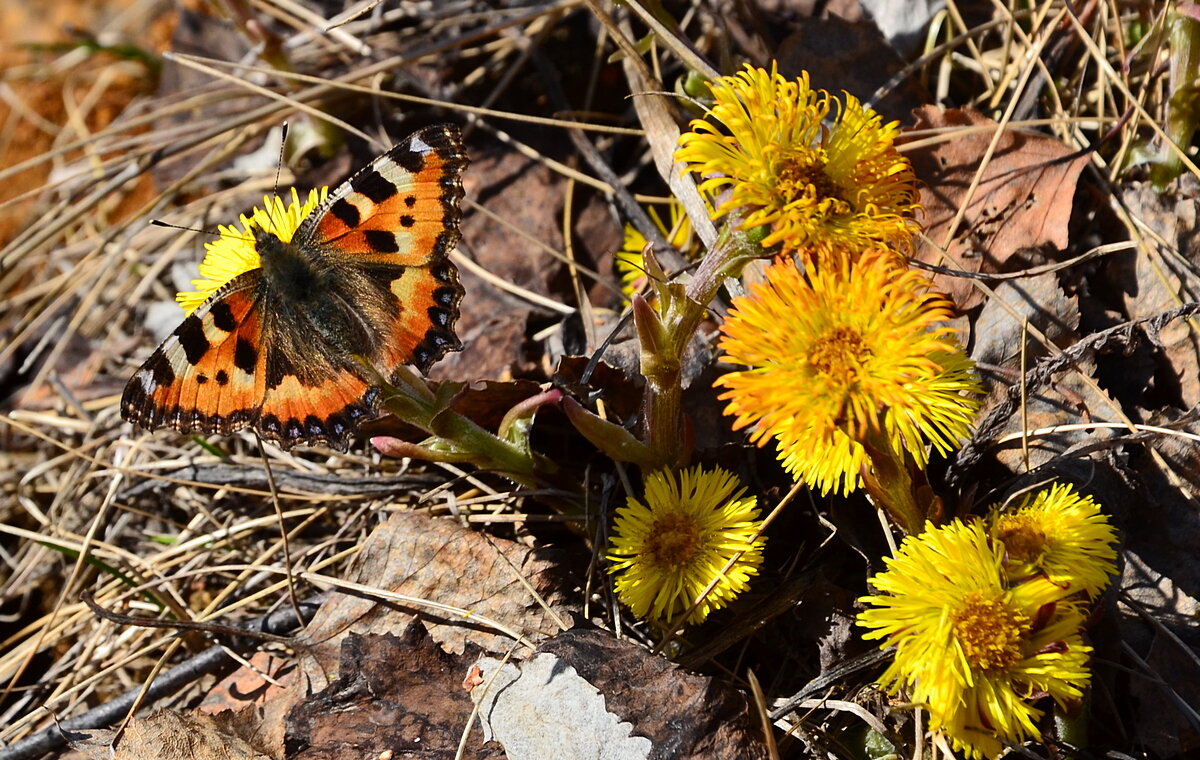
x=466 y=732
x=661 y=130
x=1094 y=253
x=213 y=661
x=283 y=533
x=827 y=679
x=641 y=220
x=760 y=707
x=143 y=621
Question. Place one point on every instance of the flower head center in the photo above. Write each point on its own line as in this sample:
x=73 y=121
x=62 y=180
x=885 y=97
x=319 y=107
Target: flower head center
x=674 y=541
x=801 y=176
x=1023 y=537
x=988 y=631
x=839 y=354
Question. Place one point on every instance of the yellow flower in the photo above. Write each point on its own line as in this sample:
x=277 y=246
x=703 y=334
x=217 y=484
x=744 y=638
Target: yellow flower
x=1058 y=534
x=973 y=651
x=814 y=186
x=670 y=547
x=233 y=253
x=629 y=258
x=857 y=353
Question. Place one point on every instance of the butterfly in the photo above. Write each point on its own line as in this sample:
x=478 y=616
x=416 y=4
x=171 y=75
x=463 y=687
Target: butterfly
x=365 y=280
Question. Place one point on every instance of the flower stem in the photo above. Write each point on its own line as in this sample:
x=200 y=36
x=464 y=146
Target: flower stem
x=666 y=329
x=889 y=480
x=455 y=437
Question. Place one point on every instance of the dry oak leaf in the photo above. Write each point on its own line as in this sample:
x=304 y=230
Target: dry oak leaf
x=439 y=561
x=1000 y=330
x=171 y=735
x=1023 y=199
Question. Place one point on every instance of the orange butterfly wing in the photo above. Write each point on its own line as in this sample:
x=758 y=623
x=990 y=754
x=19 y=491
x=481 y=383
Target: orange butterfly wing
x=396 y=221
x=214 y=375
x=254 y=355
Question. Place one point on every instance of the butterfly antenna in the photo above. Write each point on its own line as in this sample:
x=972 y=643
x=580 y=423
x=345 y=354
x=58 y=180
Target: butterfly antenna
x=168 y=225
x=279 y=163
x=216 y=233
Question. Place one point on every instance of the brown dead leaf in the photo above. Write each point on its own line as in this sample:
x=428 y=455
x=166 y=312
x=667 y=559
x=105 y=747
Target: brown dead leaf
x=1069 y=400
x=171 y=735
x=696 y=716
x=442 y=562
x=1038 y=302
x=1164 y=277
x=1000 y=331
x=1023 y=199
x=394 y=694
x=258 y=702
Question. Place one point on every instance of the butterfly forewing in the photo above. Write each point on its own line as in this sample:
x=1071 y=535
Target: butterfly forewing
x=402 y=208
x=396 y=221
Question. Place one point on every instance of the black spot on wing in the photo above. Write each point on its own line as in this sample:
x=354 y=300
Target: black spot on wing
x=410 y=200
x=382 y=241
x=440 y=317
x=447 y=298
x=339 y=426
x=222 y=377
x=160 y=369
x=245 y=355
x=191 y=337
x=223 y=317
x=373 y=185
x=407 y=158
x=406 y=220
x=436 y=343
x=346 y=212
x=293 y=430
x=279 y=366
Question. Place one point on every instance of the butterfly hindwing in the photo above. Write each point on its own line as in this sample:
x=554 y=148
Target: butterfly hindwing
x=207 y=375
x=293 y=412
x=426 y=299
x=224 y=369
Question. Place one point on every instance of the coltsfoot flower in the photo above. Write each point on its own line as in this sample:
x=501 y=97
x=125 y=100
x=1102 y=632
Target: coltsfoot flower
x=667 y=548
x=854 y=352
x=814 y=185
x=234 y=253
x=973 y=650
x=1058 y=534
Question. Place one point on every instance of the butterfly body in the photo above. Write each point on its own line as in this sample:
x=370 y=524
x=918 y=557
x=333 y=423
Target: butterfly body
x=295 y=347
